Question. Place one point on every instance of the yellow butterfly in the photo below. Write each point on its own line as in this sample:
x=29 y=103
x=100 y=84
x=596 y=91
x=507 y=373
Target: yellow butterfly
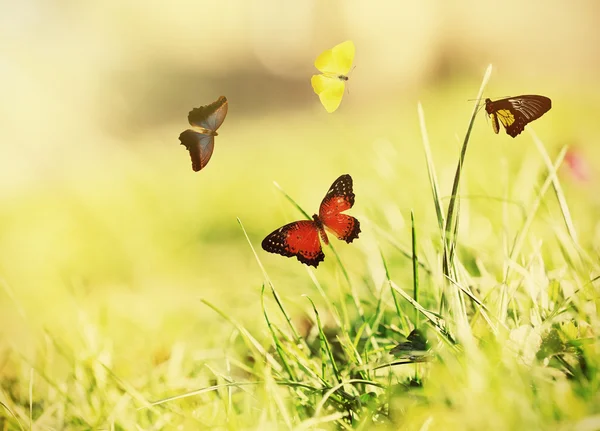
x=334 y=63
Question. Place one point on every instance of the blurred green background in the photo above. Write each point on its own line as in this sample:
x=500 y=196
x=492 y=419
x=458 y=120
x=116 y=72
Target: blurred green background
x=103 y=222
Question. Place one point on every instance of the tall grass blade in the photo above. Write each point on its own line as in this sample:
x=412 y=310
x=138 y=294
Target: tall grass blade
x=251 y=342
x=311 y=424
x=340 y=385
x=293 y=202
x=270 y=387
x=415 y=262
x=31 y=398
x=13 y=415
x=531 y=213
x=403 y=250
x=325 y=347
x=198 y=392
x=433 y=181
x=332 y=309
x=389 y=282
x=452 y=216
x=271 y=285
x=433 y=318
x=566 y=214
x=276 y=341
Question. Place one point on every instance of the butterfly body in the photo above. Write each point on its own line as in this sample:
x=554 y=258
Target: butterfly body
x=204 y=131
x=321 y=228
x=301 y=238
x=514 y=113
x=199 y=140
x=334 y=65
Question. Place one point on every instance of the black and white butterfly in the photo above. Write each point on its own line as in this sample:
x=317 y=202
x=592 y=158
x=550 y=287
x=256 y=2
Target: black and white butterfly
x=516 y=112
x=200 y=140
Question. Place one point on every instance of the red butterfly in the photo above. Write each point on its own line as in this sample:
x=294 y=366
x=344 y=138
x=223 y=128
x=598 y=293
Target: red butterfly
x=301 y=238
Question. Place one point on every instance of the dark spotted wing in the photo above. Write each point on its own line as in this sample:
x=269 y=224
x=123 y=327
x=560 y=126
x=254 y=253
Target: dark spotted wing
x=200 y=147
x=340 y=197
x=300 y=239
x=516 y=112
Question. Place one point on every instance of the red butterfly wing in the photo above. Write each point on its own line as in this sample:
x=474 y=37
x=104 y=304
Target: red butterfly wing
x=340 y=197
x=300 y=239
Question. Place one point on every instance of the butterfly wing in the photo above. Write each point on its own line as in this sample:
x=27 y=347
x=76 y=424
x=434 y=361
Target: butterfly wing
x=516 y=112
x=340 y=197
x=300 y=239
x=200 y=147
x=527 y=108
x=209 y=116
x=330 y=91
x=337 y=60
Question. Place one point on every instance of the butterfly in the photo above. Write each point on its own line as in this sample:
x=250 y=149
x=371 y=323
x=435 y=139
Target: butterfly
x=334 y=63
x=516 y=112
x=301 y=238
x=200 y=141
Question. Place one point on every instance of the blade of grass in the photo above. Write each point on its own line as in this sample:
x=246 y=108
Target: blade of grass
x=251 y=342
x=399 y=247
x=278 y=347
x=271 y=285
x=352 y=352
x=292 y=201
x=13 y=415
x=520 y=238
x=481 y=306
x=560 y=196
x=452 y=215
x=338 y=387
x=415 y=276
x=312 y=423
x=197 y=392
x=415 y=262
x=31 y=398
x=355 y=298
x=389 y=281
x=433 y=181
x=434 y=319
x=270 y=387
x=12 y=297
x=325 y=347
x=328 y=302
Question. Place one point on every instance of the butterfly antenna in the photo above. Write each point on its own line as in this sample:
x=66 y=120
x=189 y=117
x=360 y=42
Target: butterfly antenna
x=351 y=70
x=350 y=73
x=479 y=103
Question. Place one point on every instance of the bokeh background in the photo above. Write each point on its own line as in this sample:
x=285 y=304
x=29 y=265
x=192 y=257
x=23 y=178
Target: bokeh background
x=104 y=225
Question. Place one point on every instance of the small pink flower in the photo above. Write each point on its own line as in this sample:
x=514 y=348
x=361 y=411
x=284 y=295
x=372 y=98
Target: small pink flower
x=577 y=165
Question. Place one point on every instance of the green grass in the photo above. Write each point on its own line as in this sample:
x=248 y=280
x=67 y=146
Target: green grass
x=143 y=301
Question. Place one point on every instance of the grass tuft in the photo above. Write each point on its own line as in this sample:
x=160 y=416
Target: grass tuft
x=501 y=327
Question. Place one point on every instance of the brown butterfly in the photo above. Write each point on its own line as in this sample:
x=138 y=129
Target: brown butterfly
x=516 y=112
x=301 y=238
x=200 y=141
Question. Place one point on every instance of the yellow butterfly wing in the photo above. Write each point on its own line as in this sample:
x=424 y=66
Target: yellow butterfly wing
x=337 y=60
x=335 y=63
x=330 y=91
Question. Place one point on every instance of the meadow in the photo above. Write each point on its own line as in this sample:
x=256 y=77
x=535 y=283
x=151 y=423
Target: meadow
x=134 y=293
